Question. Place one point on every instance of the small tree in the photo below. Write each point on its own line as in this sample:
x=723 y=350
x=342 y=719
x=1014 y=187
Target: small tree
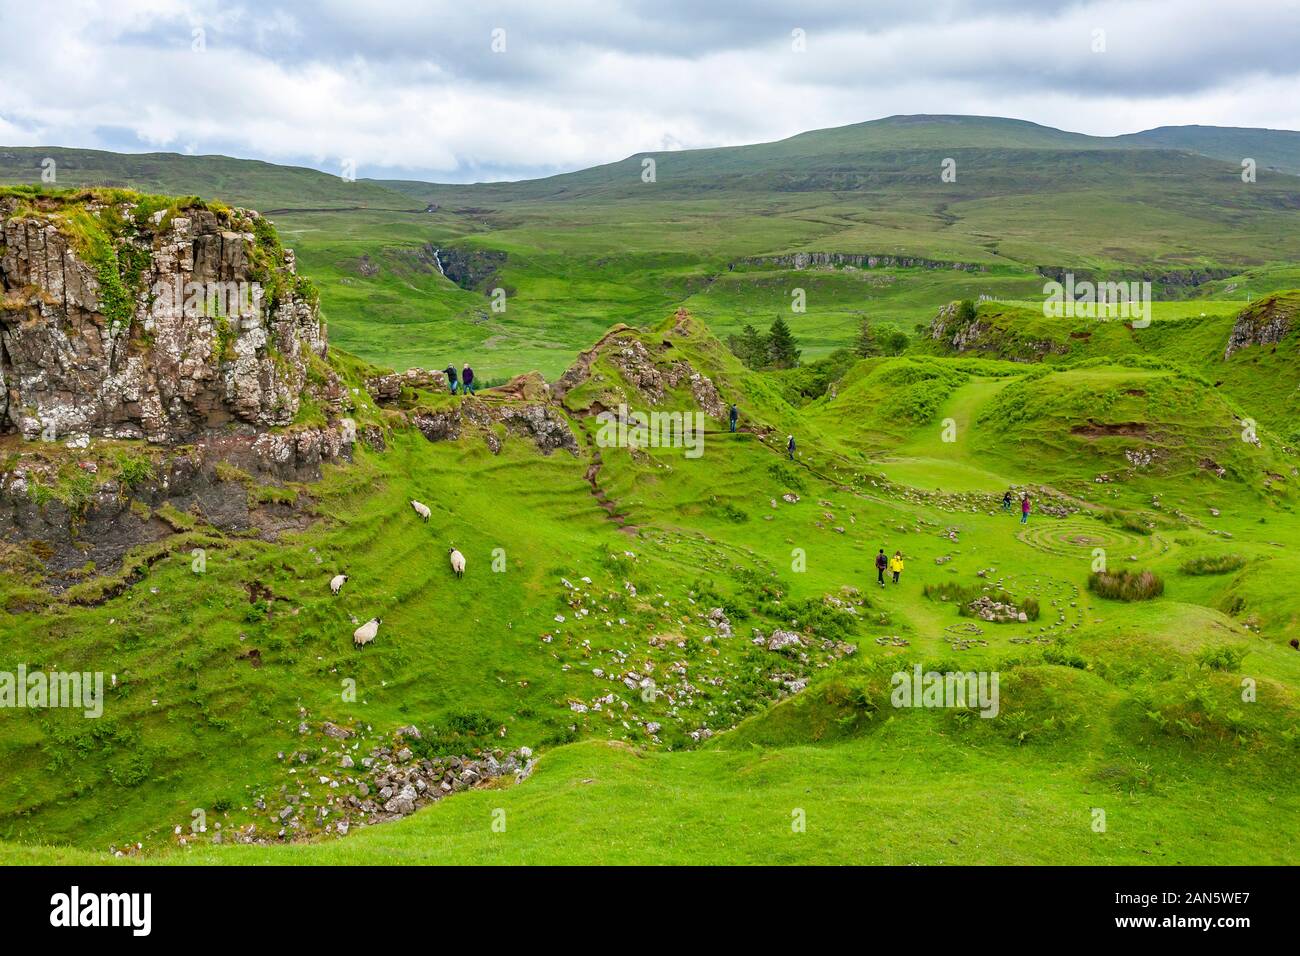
x=782 y=348
x=966 y=312
x=866 y=344
x=896 y=343
x=750 y=346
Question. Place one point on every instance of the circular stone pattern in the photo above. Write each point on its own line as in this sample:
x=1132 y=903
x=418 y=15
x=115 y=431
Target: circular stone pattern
x=1078 y=537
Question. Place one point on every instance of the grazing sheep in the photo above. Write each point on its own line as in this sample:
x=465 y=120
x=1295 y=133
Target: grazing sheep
x=421 y=509
x=366 y=632
x=336 y=582
x=457 y=561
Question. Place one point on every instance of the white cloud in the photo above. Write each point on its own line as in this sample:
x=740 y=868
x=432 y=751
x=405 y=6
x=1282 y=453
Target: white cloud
x=405 y=87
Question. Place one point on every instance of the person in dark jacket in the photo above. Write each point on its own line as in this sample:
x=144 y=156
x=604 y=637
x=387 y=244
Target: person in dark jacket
x=881 y=563
x=789 y=447
x=1006 y=500
x=467 y=380
x=735 y=414
x=450 y=372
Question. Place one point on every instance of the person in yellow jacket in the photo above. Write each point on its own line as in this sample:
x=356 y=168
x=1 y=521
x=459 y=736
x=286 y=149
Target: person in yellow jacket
x=896 y=564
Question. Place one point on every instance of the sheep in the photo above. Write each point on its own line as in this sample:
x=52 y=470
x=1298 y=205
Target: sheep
x=457 y=561
x=366 y=632
x=336 y=583
x=421 y=509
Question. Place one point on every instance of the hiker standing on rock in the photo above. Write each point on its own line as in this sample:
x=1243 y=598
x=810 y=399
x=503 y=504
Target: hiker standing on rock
x=734 y=414
x=1024 y=509
x=450 y=372
x=467 y=378
x=789 y=446
x=882 y=562
x=896 y=565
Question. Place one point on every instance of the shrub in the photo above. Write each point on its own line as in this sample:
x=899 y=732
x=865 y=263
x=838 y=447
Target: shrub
x=461 y=732
x=1063 y=658
x=1213 y=564
x=134 y=470
x=1126 y=585
x=789 y=478
x=1222 y=657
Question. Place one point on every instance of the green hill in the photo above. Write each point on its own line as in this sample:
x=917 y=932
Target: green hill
x=1270 y=148
x=264 y=186
x=625 y=616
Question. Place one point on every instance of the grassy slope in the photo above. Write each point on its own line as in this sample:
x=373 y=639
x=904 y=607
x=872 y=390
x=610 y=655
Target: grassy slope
x=1116 y=712
x=1143 y=730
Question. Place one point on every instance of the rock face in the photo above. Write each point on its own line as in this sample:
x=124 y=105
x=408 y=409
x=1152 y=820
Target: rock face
x=650 y=379
x=1162 y=279
x=1265 y=322
x=858 y=260
x=387 y=389
x=470 y=268
x=186 y=481
x=121 y=322
x=540 y=423
x=973 y=334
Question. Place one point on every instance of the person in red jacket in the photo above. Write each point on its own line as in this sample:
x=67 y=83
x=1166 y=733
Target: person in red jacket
x=1024 y=508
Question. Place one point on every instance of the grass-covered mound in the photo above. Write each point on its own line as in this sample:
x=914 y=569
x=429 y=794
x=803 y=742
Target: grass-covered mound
x=1130 y=422
x=1126 y=585
x=1213 y=564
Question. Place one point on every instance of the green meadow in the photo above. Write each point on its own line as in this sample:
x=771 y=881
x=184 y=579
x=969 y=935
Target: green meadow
x=1156 y=731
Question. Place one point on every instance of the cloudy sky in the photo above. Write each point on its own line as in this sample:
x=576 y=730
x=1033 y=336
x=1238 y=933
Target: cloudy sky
x=475 y=90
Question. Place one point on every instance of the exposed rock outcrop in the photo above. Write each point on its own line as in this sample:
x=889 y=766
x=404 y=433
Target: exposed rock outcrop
x=649 y=377
x=468 y=267
x=858 y=260
x=387 y=389
x=967 y=332
x=1265 y=322
x=208 y=482
x=1178 y=279
x=126 y=320
x=542 y=424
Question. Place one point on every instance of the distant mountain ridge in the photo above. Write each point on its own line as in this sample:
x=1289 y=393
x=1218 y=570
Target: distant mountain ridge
x=270 y=186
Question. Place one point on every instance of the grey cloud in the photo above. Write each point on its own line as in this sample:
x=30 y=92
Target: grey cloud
x=416 y=90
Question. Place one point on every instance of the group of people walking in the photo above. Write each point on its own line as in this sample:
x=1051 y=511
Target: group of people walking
x=1025 y=506
x=465 y=384
x=894 y=565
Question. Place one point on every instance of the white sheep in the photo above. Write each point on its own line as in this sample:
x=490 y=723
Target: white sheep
x=457 y=561
x=421 y=509
x=366 y=632
x=336 y=582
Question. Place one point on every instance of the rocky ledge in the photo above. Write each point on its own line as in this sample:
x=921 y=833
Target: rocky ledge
x=1266 y=322
x=125 y=316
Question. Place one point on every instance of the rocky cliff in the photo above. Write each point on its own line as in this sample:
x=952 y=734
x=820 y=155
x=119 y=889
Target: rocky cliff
x=990 y=332
x=1265 y=322
x=126 y=316
x=858 y=260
